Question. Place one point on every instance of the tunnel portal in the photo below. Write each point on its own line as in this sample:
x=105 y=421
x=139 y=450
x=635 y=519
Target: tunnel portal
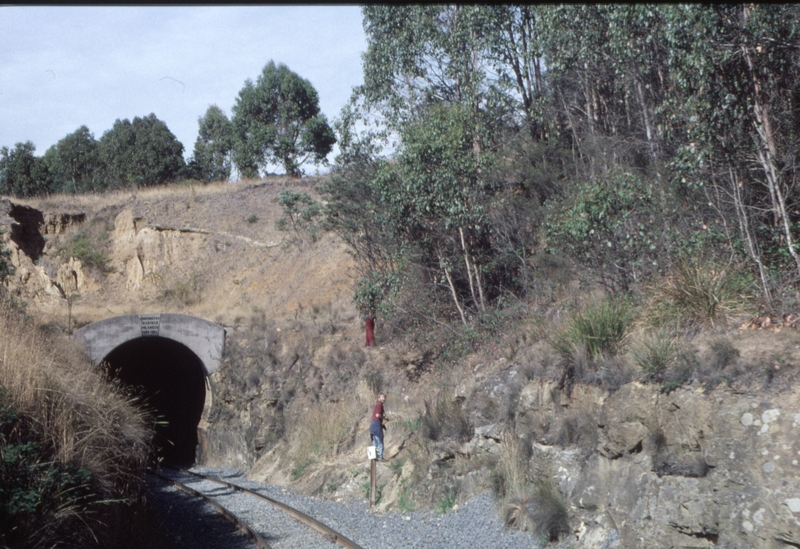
x=169 y=380
x=163 y=359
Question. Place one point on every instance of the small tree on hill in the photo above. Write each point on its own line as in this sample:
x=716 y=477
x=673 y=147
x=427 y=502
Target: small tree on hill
x=212 y=150
x=277 y=120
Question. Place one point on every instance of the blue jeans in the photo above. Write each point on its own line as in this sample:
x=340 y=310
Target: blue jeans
x=376 y=440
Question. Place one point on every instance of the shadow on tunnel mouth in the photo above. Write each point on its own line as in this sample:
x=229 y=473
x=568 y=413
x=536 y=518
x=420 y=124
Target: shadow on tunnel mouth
x=168 y=381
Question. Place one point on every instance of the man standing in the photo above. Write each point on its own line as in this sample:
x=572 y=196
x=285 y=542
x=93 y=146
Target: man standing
x=376 y=426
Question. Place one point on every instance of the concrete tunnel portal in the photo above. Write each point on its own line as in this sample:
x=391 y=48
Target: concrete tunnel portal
x=164 y=360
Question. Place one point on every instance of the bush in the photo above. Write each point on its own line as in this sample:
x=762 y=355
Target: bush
x=87 y=247
x=613 y=226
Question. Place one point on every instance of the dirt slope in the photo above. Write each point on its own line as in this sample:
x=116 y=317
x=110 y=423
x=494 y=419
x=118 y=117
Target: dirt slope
x=209 y=251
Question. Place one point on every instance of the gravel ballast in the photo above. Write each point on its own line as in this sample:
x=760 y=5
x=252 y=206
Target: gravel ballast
x=473 y=524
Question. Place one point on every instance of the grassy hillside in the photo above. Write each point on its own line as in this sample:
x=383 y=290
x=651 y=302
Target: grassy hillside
x=291 y=400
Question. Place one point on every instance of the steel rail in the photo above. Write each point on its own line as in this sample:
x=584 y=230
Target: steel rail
x=328 y=532
x=258 y=540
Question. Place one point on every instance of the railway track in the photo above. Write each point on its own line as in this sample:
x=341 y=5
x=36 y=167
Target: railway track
x=325 y=531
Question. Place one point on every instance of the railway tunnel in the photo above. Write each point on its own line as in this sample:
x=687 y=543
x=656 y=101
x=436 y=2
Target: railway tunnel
x=164 y=360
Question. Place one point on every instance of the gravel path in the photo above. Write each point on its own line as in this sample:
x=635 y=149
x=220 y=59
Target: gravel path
x=473 y=524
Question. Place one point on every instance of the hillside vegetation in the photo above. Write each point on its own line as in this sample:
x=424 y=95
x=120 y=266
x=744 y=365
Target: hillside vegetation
x=576 y=227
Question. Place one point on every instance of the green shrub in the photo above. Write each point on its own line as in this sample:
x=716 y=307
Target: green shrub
x=447 y=502
x=405 y=504
x=34 y=489
x=299 y=467
x=411 y=425
x=88 y=249
x=613 y=226
x=6 y=268
x=365 y=487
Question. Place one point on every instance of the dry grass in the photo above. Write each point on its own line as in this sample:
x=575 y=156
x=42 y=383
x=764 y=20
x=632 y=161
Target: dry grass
x=445 y=418
x=80 y=425
x=111 y=198
x=509 y=473
x=324 y=426
x=531 y=500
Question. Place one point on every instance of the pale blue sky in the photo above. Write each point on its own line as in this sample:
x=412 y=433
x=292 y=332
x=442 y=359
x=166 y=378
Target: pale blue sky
x=63 y=67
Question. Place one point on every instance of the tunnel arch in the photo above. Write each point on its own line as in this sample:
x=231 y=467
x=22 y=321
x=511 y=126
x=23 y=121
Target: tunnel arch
x=164 y=359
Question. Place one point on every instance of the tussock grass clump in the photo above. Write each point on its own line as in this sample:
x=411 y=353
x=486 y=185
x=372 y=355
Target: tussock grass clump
x=701 y=293
x=531 y=500
x=509 y=472
x=75 y=449
x=542 y=512
x=655 y=353
x=445 y=418
x=597 y=332
x=600 y=328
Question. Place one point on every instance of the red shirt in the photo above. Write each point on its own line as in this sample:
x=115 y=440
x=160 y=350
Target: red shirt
x=377 y=412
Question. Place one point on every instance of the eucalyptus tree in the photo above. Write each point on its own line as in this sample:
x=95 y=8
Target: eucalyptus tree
x=141 y=153
x=74 y=161
x=22 y=173
x=737 y=72
x=277 y=120
x=211 y=160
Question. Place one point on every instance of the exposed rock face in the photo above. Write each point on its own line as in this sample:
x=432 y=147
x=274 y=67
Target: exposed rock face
x=29 y=228
x=685 y=470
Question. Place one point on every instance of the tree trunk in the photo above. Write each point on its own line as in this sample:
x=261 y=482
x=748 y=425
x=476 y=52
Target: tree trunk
x=452 y=289
x=767 y=153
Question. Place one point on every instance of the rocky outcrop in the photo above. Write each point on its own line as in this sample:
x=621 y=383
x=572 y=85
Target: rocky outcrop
x=687 y=469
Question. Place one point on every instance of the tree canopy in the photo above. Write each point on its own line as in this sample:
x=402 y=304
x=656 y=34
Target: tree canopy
x=633 y=135
x=21 y=172
x=277 y=120
x=74 y=162
x=142 y=153
x=211 y=160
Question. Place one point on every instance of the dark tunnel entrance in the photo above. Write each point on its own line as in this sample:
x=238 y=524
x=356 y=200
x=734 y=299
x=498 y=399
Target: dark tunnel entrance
x=170 y=378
